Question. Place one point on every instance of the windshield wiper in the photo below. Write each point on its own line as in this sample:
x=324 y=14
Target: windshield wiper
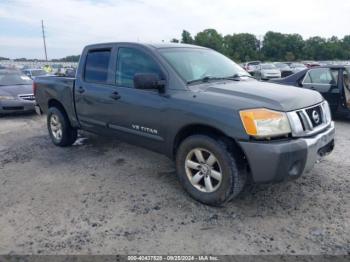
x=239 y=76
x=204 y=79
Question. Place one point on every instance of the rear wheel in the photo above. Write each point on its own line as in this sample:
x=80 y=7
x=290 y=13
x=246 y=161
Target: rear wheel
x=208 y=171
x=60 y=130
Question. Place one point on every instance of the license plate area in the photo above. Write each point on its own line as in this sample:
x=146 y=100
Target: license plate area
x=325 y=150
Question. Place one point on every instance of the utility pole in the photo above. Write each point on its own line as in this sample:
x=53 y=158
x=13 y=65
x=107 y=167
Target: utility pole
x=42 y=27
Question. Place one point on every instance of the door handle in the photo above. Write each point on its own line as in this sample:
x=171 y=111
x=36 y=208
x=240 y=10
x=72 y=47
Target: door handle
x=115 y=95
x=81 y=90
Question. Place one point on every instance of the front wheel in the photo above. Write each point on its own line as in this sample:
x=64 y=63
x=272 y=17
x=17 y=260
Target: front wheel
x=60 y=130
x=208 y=171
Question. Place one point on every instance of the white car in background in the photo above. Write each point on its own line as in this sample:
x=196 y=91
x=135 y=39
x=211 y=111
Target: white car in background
x=267 y=71
x=251 y=66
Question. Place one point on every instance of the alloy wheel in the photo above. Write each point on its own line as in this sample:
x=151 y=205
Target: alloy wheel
x=56 y=127
x=203 y=170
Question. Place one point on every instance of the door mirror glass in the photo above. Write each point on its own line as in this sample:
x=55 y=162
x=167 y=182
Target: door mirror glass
x=148 y=81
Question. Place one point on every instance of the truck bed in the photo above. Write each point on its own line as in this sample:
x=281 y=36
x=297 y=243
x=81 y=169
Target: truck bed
x=52 y=89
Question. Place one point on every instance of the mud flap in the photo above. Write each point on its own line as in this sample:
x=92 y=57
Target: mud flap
x=38 y=110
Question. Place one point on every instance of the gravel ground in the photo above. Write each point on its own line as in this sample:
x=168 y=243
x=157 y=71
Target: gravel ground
x=108 y=197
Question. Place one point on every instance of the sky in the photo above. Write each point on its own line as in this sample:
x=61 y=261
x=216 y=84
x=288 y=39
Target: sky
x=72 y=24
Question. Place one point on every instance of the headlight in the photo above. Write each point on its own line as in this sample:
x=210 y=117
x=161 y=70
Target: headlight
x=262 y=123
x=7 y=98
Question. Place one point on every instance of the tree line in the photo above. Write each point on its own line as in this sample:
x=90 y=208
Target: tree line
x=273 y=46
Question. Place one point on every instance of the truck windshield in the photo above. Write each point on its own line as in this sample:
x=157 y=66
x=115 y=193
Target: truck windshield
x=196 y=63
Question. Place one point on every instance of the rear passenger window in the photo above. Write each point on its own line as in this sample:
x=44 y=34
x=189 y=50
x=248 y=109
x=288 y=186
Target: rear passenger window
x=96 y=66
x=321 y=76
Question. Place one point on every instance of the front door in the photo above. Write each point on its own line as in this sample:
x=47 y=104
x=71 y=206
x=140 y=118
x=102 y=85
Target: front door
x=138 y=115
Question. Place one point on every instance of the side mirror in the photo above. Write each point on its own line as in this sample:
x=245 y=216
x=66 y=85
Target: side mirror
x=148 y=81
x=333 y=83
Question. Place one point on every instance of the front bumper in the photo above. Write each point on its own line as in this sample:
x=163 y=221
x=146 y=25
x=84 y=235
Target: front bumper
x=14 y=106
x=276 y=161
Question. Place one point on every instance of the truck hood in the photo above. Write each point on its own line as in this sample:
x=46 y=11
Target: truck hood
x=16 y=90
x=253 y=94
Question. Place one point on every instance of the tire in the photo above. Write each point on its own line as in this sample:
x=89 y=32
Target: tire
x=221 y=191
x=60 y=130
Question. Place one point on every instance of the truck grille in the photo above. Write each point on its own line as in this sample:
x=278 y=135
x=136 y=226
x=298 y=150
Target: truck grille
x=28 y=97
x=315 y=115
x=311 y=120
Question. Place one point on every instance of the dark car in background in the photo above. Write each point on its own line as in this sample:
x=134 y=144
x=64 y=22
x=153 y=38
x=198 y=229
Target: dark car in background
x=284 y=68
x=296 y=67
x=16 y=92
x=66 y=71
x=331 y=81
x=32 y=73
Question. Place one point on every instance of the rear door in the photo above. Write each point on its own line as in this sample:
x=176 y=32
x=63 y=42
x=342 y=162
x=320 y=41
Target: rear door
x=325 y=81
x=93 y=89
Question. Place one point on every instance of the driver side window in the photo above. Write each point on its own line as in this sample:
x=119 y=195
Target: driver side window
x=132 y=61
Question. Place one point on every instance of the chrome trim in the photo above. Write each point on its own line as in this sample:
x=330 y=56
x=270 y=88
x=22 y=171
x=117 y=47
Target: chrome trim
x=301 y=123
x=27 y=97
x=295 y=122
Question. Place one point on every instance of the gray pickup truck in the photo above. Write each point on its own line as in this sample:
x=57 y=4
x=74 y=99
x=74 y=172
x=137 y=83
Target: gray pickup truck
x=194 y=105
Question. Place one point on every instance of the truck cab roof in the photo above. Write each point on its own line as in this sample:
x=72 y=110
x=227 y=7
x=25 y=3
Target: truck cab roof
x=149 y=45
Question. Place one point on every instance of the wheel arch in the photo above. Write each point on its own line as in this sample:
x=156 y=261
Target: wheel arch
x=55 y=103
x=200 y=129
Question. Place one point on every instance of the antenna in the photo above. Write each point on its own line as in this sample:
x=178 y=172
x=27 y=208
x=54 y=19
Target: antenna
x=42 y=27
